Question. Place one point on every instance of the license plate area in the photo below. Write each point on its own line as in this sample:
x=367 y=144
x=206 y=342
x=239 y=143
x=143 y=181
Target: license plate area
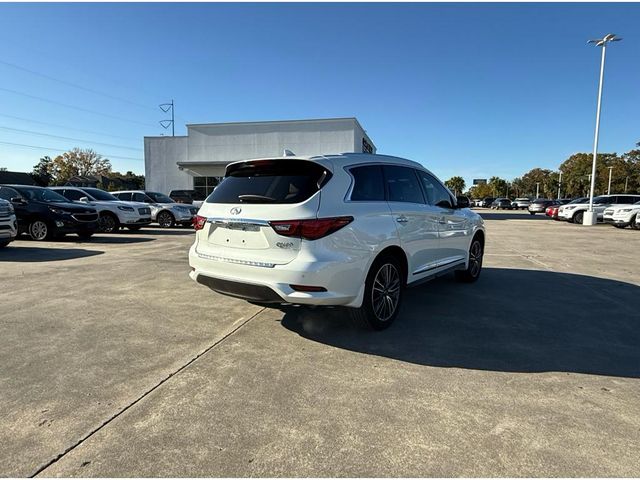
x=238 y=236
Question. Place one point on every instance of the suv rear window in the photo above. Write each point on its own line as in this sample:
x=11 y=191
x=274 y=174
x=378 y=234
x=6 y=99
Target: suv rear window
x=270 y=181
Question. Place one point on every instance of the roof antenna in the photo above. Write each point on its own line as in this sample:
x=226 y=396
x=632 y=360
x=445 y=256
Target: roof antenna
x=288 y=153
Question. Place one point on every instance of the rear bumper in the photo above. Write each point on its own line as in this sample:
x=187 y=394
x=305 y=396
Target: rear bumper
x=342 y=277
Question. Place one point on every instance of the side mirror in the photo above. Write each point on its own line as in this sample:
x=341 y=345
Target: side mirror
x=462 y=202
x=18 y=200
x=84 y=199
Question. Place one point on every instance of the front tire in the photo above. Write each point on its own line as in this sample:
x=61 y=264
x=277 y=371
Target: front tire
x=39 y=230
x=578 y=218
x=108 y=223
x=633 y=224
x=382 y=295
x=474 y=268
x=166 y=220
x=532 y=213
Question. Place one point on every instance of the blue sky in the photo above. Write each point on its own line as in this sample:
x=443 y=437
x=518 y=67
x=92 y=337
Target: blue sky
x=466 y=89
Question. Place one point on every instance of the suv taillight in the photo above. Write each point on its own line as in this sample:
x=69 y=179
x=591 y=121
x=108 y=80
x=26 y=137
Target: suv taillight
x=310 y=229
x=198 y=222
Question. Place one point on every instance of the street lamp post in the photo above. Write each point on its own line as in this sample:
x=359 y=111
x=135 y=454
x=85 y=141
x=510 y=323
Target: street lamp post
x=537 y=189
x=559 y=184
x=591 y=217
x=609 y=188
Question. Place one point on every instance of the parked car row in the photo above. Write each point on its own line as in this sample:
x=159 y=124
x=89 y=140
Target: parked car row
x=45 y=213
x=502 y=203
x=624 y=206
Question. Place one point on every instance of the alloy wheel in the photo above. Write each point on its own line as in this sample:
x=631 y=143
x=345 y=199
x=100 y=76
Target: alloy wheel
x=107 y=223
x=385 y=294
x=165 y=220
x=38 y=230
x=475 y=259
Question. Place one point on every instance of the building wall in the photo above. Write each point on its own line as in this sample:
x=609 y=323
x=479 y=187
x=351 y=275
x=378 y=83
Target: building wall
x=224 y=143
x=160 y=170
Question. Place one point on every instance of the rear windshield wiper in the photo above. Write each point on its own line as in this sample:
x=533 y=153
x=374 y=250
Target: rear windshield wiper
x=255 y=199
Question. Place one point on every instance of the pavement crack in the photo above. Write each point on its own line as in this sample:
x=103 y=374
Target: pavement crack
x=237 y=326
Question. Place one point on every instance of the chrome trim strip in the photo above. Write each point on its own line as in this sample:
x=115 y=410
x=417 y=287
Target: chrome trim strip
x=460 y=260
x=236 y=261
x=237 y=221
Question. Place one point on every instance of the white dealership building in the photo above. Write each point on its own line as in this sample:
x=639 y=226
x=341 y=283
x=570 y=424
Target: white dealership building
x=198 y=160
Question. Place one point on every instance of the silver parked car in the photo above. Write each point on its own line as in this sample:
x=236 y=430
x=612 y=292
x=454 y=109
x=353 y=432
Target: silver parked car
x=8 y=223
x=164 y=210
x=521 y=203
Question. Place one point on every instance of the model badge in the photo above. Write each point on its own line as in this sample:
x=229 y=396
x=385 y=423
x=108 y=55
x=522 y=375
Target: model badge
x=284 y=244
x=235 y=211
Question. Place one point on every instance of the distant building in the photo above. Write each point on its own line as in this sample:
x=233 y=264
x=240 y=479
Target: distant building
x=16 y=178
x=198 y=160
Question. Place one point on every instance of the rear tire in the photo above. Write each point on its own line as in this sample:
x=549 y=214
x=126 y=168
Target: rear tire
x=165 y=220
x=531 y=213
x=382 y=295
x=473 y=270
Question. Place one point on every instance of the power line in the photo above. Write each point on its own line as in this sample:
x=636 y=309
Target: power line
x=56 y=125
x=55 y=102
x=40 y=147
x=69 y=138
x=71 y=84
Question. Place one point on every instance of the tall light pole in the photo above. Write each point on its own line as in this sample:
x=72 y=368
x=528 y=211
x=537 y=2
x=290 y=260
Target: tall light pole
x=559 y=184
x=609 y=188
x=591 y=217
x=537 y=189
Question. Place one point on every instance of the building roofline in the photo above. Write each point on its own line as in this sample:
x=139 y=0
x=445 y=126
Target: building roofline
x=275 y=121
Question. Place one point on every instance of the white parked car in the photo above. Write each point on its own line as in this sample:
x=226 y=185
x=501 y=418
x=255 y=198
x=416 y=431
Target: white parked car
x=622 y=216
x=8 y=223
x=351 y=230
x=164 y=210
x=574 y=212
x=114 y=213
x=521 y=203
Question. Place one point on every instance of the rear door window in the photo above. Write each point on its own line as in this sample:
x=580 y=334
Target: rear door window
x=140 y=197
x=123 y=196
x=402 y=184
x=270 y=181
x=72 y=194
x=368 y=184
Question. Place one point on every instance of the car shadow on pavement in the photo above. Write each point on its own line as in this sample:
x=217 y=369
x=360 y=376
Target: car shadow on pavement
x=43 y=254
x=509 y=321
x=161 y=231
x=104 y=239
x=488 y=215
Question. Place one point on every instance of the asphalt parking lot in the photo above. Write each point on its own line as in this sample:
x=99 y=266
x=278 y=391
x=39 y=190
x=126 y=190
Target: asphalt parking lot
x=114 y=363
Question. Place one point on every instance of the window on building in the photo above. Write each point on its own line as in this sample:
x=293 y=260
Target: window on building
x=203 y=186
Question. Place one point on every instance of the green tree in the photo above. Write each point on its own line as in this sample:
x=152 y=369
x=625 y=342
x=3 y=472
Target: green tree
x=80 y=162
x=456 y=185
x=480 y=191
x=41 y=173
x=498 y=186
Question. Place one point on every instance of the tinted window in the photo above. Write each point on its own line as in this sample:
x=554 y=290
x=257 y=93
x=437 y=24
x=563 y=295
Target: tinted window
x=140 y=197
x=402 y=184
x=7 y=193
x=100 y=194
x=368 y=183
x=602 y=199
x=437 y=195
x=123 y=196
x=41 y=194
x=73 y=194
x=159 y=197
x=270 y=181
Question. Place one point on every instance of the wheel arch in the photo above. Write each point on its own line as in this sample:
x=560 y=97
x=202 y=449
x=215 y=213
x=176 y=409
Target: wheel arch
x=397 y=252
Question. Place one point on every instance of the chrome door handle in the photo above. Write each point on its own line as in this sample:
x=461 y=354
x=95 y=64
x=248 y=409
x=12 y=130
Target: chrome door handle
x=402 y=219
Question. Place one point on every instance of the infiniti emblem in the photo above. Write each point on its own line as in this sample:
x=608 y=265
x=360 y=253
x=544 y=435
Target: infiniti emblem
x=235 y=211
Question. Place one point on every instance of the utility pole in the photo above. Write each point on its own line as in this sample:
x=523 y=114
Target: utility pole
x=609 y=188
x=165 y=107
x=537 y=189
x=590 y=217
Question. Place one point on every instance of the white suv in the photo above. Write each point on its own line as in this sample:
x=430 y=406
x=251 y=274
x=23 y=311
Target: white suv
x=349 y=229
x=574 y=212
x=8 y=223
x=622 y=216
x=113 y=212
x=164 y=210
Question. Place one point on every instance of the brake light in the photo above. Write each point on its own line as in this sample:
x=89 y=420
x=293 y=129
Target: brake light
x=198 y=222
x=310 y=229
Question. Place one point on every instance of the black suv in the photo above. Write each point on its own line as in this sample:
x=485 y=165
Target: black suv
x=44 y=214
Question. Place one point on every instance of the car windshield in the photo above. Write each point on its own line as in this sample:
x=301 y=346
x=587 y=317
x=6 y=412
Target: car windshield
x=159 y=197
x=100 y=194
x=41 y=194
x=578 y=200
